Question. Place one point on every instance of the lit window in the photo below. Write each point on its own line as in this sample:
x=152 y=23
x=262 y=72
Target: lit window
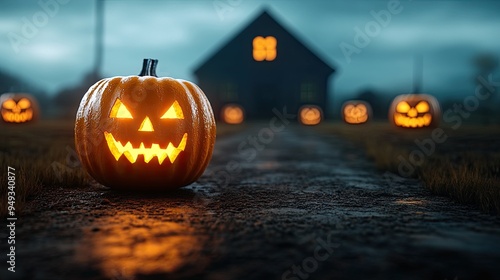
x=264 y=48
x=308 y=92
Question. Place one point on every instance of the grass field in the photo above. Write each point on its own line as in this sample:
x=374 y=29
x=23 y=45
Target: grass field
x=43 y=155
x=464 y=164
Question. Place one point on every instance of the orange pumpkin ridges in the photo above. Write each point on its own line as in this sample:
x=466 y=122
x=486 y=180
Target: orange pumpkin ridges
x=232 y=114
x=356 y=112
x=310 y=115
x=144 y=132
x=18 y=108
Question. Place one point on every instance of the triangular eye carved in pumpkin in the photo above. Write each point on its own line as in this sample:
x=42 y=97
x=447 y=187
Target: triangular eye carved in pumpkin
x=119 y=111
x=174 y=112
x=24 y=103
x=9 y=104
x=422 y=107
x=403 y=107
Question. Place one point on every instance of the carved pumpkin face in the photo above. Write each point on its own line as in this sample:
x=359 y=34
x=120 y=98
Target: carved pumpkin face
x=18 y=108
x=144 y=132
x=356 y=112
x=232 y=114
x=310 y=115
x=131 y=151
x=415 y=111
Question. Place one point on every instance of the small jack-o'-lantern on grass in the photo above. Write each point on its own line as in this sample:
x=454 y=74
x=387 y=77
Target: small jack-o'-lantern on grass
x=415 y=111
x=232 y=114
x=310 y=115
x=18 y=108
x=144 y=132
x=356 y=112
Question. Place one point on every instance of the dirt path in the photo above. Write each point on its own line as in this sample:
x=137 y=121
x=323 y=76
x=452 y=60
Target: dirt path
x=290 y=205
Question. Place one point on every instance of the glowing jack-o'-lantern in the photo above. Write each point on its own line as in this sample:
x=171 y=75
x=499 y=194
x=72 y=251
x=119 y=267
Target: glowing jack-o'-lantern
x=232 y=114
x=310 y=115
x=144 y=132
x=264 y=48
x=18 y=108
x=356 y=112
x=415 y=111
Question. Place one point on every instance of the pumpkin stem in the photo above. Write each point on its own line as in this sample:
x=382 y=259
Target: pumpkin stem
x=149 y=67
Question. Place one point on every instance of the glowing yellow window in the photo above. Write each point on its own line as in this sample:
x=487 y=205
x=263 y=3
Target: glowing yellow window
x=264 y=48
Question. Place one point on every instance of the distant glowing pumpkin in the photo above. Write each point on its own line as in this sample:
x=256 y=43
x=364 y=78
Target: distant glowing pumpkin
x=18 y=108
x=415 y=111
x=232 y=114
x=143 y=132
x=356 y=112
x=310 y=115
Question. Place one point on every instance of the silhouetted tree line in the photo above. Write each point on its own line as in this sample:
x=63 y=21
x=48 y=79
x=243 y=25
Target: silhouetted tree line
x=488 y=111
x=63 y=104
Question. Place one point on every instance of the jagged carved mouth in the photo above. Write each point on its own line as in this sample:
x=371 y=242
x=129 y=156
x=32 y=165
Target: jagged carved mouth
x=118 y=149
x=17 y=117
x=405 y=121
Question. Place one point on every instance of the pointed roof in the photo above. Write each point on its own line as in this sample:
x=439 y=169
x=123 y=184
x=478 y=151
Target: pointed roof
x=267 y=20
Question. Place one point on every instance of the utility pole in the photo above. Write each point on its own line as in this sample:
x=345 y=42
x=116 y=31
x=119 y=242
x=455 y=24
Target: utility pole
x=99 y=33
x=418 y=73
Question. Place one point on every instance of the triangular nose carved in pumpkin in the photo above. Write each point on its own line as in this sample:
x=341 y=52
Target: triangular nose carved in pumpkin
x=146 y=125
x=412 y=113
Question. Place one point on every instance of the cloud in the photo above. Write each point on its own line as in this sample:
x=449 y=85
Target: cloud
x=183 y=33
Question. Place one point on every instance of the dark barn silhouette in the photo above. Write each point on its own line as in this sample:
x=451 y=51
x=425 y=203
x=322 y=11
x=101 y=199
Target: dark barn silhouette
x=290 y=74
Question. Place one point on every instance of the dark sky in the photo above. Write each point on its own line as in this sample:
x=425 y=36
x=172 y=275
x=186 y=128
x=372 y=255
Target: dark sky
x=181 y=34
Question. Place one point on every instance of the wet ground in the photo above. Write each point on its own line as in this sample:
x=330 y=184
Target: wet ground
x=294 y=204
